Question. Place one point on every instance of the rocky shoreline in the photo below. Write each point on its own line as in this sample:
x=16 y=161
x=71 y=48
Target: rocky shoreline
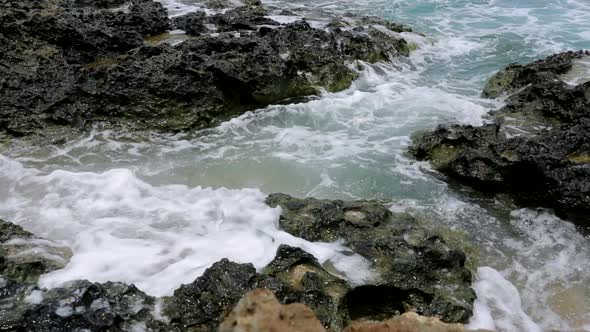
x=418 y=270
x=536 y=148
x=69 y=65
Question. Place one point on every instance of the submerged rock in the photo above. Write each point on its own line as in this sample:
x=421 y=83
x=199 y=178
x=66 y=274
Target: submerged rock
x=536 y=148
x=24 y=257
x=419 y=269
x=72 y=64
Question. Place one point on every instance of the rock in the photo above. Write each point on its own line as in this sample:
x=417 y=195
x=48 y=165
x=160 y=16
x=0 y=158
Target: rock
x=419 y=269
x=408 y=322
x=192 y=23
x=9 y=231
x=536 y=148
x=44 y=45
x=76 y=306
x=260 y=310
x=303 y=280
x=516 y=76
x=294 y=276
x=82 y=305
x=202 y=305
x=67 y=65
x=23 y=257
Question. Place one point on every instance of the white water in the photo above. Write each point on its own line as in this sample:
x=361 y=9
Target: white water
x=156 y=210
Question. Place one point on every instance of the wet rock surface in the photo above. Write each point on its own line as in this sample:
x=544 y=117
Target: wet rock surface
x=536 y=148
x=419 y=271
x=70 y=64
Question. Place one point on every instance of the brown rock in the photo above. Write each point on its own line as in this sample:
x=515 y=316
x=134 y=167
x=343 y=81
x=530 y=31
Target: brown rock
x=408 y=322
x=259 y=310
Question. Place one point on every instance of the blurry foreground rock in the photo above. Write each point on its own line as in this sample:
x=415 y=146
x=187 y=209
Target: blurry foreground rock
x=260 y=310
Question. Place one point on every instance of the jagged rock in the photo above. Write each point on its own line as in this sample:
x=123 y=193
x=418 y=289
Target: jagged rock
x=516 y=76
x=536 y=148
x=260 y=310
x=420 y=270
x=294 y=276
x=44 y=45
x=201 y=305
x=304 y=280
x=75 y=306
x=68 y=64
x=82 y=305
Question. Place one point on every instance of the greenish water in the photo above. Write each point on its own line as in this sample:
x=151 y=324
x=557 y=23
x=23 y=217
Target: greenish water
x=158 y=210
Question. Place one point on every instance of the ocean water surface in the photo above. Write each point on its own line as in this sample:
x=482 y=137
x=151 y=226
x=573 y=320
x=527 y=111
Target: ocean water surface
x=158 y=210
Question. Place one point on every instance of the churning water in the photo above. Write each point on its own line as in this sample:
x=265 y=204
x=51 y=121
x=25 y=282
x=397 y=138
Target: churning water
x=158 y=210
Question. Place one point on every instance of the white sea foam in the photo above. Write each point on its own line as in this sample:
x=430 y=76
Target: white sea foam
x=498 y=306
x=121 y=228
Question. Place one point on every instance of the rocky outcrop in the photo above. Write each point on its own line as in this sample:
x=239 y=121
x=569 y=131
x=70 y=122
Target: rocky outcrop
x=413 y=262
x=294 y=276
x=70 y=64
x=419 y=271
x=260 y=310
x=536 y=148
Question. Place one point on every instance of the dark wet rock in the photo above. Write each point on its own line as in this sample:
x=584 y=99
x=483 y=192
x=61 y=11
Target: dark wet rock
x=294 y=276
x=66 y=65
x=201 y=305
x=192 y=23
x=76 y=306
x=241 y=18
x=203 y=80
x=82 y=305
x=12 y=304
x=304 y=280
x=536 y=148
x=23 y=257
x=516 y=76
x=97 y=3
x=10 y=231
x=419 y=269
x=45 y=44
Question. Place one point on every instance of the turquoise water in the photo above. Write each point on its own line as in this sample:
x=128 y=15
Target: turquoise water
x=162 y=200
